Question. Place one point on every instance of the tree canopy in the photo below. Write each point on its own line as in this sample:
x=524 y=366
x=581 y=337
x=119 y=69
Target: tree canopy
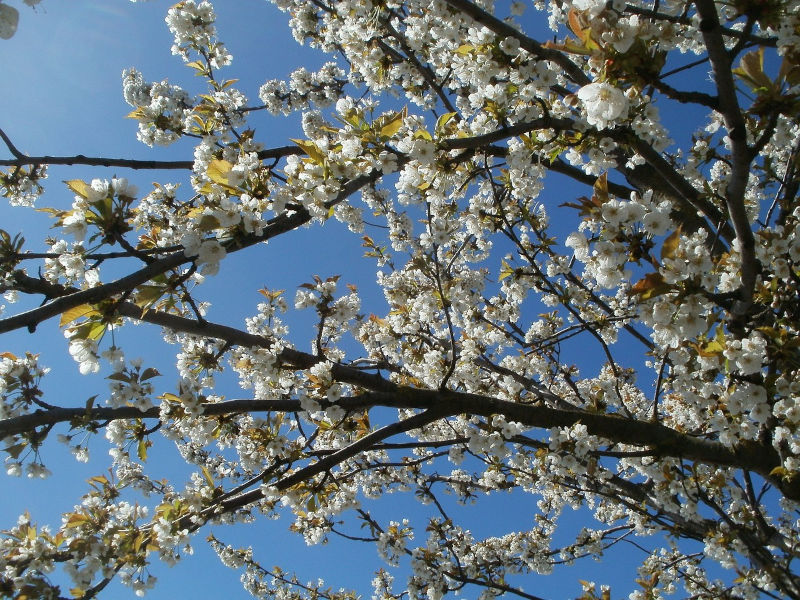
x=630 y=352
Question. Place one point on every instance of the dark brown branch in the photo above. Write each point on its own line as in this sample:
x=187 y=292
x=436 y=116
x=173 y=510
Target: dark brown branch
x=741 y=155
x=667 y=442
x=479 y=141
x=661 y=175
x=32 y=318
x=11 y=147
x=423 y=70
x=41 y=418
x=127 y=163
x=282 y=224
x=328 y=462
x=685 y=97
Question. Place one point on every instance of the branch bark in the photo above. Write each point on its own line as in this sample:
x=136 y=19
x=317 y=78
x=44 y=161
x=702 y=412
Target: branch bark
x=666 y=442
x=741 y=155
x=129 y=163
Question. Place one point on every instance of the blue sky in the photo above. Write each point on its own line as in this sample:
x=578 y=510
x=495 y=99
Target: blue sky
x=62 y=95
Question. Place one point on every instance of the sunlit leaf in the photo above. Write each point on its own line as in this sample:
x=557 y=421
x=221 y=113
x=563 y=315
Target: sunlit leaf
x=218 y=170
x=15 y=450
x=422 y=134
x=207 y=476
x=141 y=449
x=601 y=188
x=311 y=149
x=79 y=186
x=670 y=245
x=139 y=114
x=650 y=286
x=392 y=125
x=76 y=520
x=76 y=312
x=751 y=70
x=147 y=295
x=444 y=120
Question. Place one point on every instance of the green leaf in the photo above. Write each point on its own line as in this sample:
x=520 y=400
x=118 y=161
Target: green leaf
x=601 y=188
x=505 y=270
x=311 y=149
x=149 y=373
x=198 y=66
x=138 y=114
x=119 y=377
x=79 y=186
x=670 y=245
x=789 y=72
x=422 y=134
x=15 y=450
x=76 y=520
x=751 y=71
x=207 y=476
x=393 y=123
x=650 y=286
x=89 y=330
x=76 y=312
x=444 y=120
x=147 y=295
x=97 y=330
x=218 y=170
x=141 y=449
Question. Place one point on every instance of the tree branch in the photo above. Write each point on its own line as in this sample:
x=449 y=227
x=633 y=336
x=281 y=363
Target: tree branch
x=125 y=163
x=741 y=156
x=504 y=30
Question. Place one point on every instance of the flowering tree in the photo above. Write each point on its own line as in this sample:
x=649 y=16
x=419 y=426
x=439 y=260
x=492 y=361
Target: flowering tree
x=431 y=135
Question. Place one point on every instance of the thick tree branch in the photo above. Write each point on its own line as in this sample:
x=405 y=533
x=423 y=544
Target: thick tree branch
x=741 y=155
x=328 y=462
x=684 y=96
x=282 y=224
x=761 y=459
x=486 y=139
x=128 y=163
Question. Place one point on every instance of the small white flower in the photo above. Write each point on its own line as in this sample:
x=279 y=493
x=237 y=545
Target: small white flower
x=97 y=190
x=657 y=222
x=603 y=103
x=210 y=251
x=75 y=225
x=122 y=188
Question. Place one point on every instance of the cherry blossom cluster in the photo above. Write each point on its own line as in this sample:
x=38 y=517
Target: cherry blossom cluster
x=629 y=354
